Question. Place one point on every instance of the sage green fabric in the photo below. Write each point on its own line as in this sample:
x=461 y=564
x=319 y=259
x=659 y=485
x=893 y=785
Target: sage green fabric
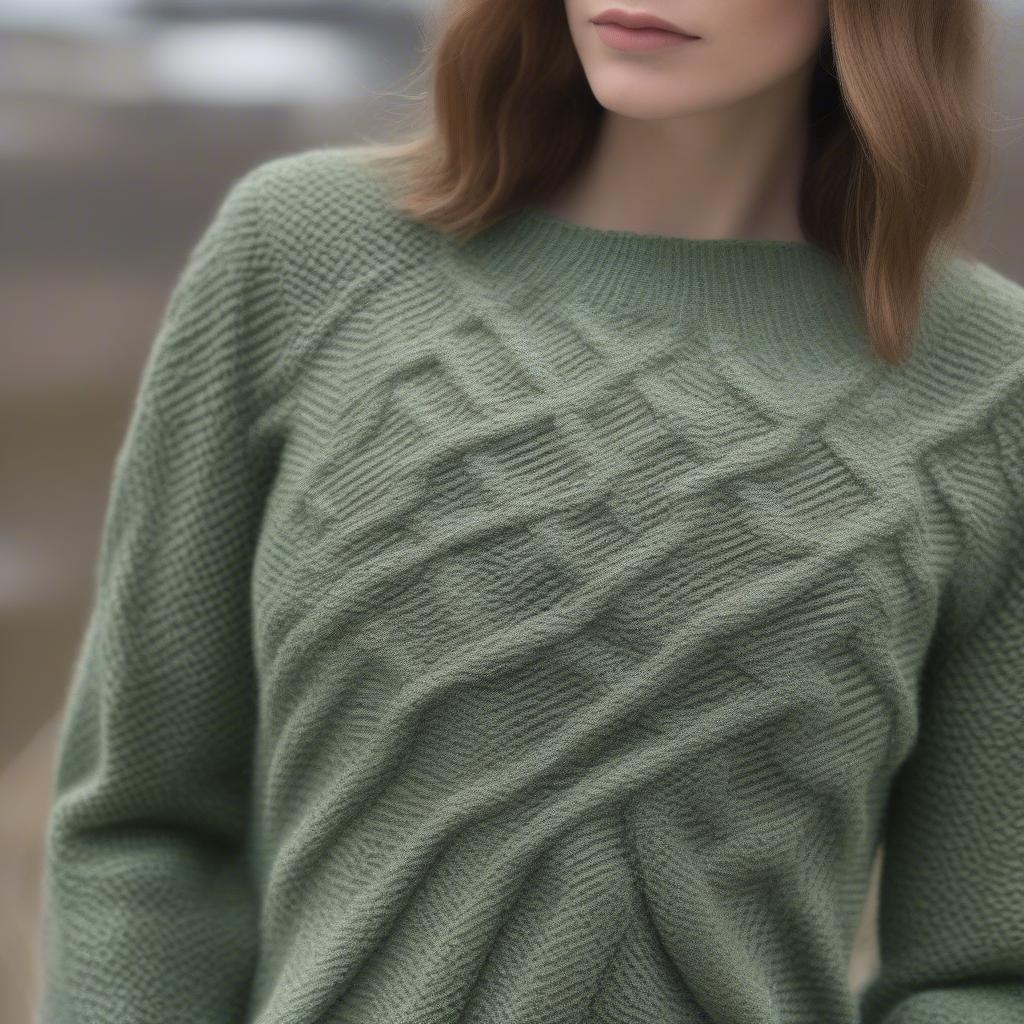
x=545 y=629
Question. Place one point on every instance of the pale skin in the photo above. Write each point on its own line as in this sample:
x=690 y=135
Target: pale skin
x=706 y=139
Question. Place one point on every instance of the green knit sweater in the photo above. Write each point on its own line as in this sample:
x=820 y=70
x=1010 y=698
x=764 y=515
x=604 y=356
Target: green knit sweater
x=545 y=631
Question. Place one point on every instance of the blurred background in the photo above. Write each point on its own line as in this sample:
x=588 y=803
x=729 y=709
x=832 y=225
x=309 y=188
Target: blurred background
x=122 y=123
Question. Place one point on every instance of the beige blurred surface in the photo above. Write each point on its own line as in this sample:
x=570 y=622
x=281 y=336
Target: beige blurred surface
x=108 y=199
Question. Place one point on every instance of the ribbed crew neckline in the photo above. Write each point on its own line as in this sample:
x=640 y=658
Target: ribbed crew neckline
x=616 y=269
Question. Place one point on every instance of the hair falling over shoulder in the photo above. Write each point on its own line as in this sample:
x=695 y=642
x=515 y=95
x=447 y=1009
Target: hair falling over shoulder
x=897 y=140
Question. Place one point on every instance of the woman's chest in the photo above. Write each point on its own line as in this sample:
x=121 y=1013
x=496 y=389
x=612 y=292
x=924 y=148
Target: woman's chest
x=655 y=531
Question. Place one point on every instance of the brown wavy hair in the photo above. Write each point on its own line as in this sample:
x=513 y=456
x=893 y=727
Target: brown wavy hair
x=896 y=139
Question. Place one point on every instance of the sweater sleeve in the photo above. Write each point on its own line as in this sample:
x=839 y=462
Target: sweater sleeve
x=148 y=905
x=951 y=907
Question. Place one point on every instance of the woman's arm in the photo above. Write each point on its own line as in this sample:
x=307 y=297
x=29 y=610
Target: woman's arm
x=149 y=912
x=951 y=917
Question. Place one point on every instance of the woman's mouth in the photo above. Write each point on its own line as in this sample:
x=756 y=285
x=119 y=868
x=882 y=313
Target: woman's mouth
x=628 y=35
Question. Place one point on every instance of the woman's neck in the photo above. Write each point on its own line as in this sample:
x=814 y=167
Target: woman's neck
x=732 y=173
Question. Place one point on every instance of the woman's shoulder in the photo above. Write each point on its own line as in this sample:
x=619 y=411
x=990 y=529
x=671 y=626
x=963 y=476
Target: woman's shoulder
x=329 y=221
x=335 y=184
x=323 y=227
x=970 y=344
x=983 y=305
x=976 y=383
x=974 y=396
x=957 y=404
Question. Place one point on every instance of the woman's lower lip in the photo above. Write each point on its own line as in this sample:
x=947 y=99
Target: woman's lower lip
x=622 y=38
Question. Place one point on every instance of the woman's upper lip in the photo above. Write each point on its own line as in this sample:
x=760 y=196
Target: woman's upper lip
x=637 y=19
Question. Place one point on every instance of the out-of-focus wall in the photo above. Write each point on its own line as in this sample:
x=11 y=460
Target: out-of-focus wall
x=121 y=126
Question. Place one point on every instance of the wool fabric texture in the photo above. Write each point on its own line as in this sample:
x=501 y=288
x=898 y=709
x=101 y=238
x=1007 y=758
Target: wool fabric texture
x=545 y=629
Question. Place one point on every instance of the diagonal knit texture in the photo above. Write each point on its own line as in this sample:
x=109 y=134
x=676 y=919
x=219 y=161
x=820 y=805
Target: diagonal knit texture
x=545 y=631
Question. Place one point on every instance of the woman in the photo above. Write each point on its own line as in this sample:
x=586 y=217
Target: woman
x=549 y=556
